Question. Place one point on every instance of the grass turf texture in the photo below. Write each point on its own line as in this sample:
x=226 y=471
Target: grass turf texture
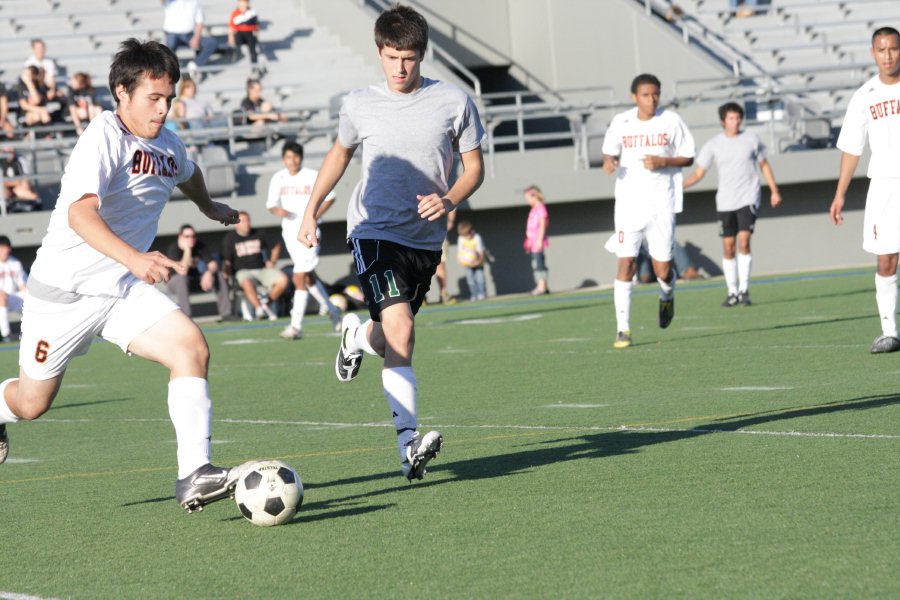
x=746 y=452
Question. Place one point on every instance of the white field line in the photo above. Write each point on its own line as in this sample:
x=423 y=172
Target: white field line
x=385 y=425
x=15 y=596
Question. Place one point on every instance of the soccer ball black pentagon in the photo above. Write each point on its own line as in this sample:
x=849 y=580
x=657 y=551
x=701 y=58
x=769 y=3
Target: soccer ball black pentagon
x=268 y=492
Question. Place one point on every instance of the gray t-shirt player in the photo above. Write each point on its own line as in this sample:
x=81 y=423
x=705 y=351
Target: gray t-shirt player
x=737 y=160
x=408 y=143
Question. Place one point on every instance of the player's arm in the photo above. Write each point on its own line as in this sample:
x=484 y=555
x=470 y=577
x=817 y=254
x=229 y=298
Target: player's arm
x=769 y=176
x=330 y=173
x=698 y=174
x=274 y=256
x=435 y=206
x=610 y=164
x=653 y=162
x=849 y=163
x=326 y=204
x=195 y=189
x=85 y=220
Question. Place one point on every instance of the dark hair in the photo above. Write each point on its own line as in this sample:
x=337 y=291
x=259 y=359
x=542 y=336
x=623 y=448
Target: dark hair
x=185 y=226
x=251 y=82
x=4 y=241
x=642 y=79
x=885 y=31
x=464 y=227
x=136 y=59
x=291 y=146
x=730 y=107
x=402 y=28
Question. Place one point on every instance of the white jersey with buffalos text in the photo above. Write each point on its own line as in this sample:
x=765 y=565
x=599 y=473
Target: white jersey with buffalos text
x=874 y=110
x=12 y=276
x=133 y=179
x=291 y=192
x=641 y=192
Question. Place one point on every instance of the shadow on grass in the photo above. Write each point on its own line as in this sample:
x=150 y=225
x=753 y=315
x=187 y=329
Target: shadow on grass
x=57 y=406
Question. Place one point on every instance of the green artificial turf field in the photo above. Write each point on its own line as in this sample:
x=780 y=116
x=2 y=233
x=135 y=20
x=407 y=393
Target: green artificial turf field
x=749 y=452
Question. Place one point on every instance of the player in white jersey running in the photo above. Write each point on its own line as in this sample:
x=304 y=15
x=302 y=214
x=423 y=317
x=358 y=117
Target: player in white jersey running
x=94 y=276
x=288 y=197
x=409 y=128
x=12 y=286
x=646 y=147
x=739 y=157
x=874 y=113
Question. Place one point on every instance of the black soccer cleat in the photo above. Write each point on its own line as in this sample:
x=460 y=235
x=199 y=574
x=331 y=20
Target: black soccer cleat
x=730 y=300
x=4 y=443
x=666 y=312
x=744 y=298
x=881 y=345
x=205 y=485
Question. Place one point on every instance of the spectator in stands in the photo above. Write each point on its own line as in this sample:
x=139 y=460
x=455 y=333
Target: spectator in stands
x=470 y=254
x=256 y=110
x=244 y=256
x=872 y=116
x=18 y=194
x=739 y=157
x=440 y=273
x=536 y=241
x=203 y=272
x=40 y=60
x=681 y=261
x=183 y=26
x=243 y=30
x=645 y=147
x=188 y=111
x=5 y=124
x=749 y=8
x=12 y=287
x=81 y=99
x=32 y=93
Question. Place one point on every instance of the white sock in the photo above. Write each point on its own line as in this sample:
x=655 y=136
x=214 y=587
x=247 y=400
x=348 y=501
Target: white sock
x=743 y=264
x=667 y=288
x=301 y=297
x=318 y=292
x=6 y=413
x=729 y=268
x=191 y=412
x=4 y=321
x=886 y=298
x=361 y=339
x=622 y=301
x=400 y=390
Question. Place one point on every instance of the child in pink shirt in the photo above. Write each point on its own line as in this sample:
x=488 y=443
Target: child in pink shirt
x=536 y=238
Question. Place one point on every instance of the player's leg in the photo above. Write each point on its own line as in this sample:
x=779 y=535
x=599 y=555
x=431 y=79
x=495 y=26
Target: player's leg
x=746 y=221
x=326 y=306
x=660 y=234
x=26 y=399
x=626 y=246
x=728 y=232
x=4 y=317
x=294 y=330
x=881 y=236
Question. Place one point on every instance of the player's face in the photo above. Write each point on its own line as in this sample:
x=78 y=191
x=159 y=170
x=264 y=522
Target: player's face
x=886 y=52
x=646 y=98
x=144 y=111
x=292 y=161
x=401 y=69
x=732 y=123
x=5 y=251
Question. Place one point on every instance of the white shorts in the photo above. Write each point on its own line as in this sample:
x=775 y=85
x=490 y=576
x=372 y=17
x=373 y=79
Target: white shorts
x=53 y=333
x=305 y=259
x=881 y=224
x=658 y=231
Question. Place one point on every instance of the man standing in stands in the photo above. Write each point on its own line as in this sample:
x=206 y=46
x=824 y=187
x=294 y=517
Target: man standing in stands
x=874 y=113
x=183 y=26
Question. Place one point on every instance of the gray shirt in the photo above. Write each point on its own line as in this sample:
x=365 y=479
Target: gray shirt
x=408 y=143
x=737 y=159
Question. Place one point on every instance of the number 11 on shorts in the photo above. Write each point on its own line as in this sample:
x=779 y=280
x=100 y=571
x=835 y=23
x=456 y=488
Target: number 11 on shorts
x=392 y=290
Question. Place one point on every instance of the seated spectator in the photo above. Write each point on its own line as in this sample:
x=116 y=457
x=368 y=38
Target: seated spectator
x=187 y=110
x=40 y=60
x=5 y=124
x=244 y=255
x=18 y=194
x=183 y=26
x=32 y=95
x=82 y=101
x=256 y=110
x=203 y=272
x=243 y=30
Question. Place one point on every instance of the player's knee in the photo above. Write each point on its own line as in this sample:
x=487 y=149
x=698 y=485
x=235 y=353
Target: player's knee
x=31 y=406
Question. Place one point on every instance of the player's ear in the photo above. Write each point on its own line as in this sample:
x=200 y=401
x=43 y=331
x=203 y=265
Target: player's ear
x=121 y=92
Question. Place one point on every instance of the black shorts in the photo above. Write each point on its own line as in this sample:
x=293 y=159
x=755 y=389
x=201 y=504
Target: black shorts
x=391 y=273
x=742 y=219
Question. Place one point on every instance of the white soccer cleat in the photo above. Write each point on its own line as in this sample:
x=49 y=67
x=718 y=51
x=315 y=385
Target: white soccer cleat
x=206 y=484
x=347 y=364
x=419 y=452
x=290 y=333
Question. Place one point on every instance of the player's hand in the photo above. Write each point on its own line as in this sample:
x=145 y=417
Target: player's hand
x=153 y=267
x=837 y=210
x=653 y=162
x=775 y=199
x=224 y=214
x=433 y=207
x=307 y=234
x=610 y=165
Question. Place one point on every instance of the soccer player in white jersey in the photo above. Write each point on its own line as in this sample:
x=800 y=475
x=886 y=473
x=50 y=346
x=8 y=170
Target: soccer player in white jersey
x=409 y=128
x=646 y=147
x=94 y=276
x=289 y=192
x=739 y=157
x=874 y=113
x=12 y=286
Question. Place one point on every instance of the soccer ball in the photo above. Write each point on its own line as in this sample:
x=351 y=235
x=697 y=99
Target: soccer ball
x=268 y=492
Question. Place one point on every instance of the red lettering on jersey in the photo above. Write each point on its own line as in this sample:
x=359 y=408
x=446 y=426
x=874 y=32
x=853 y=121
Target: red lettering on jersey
x=136 y=162
x=147 y=163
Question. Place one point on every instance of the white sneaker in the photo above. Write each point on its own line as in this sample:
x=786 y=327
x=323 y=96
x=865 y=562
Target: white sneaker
x=419 y=452
x=346 y=367
x=291 y=333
